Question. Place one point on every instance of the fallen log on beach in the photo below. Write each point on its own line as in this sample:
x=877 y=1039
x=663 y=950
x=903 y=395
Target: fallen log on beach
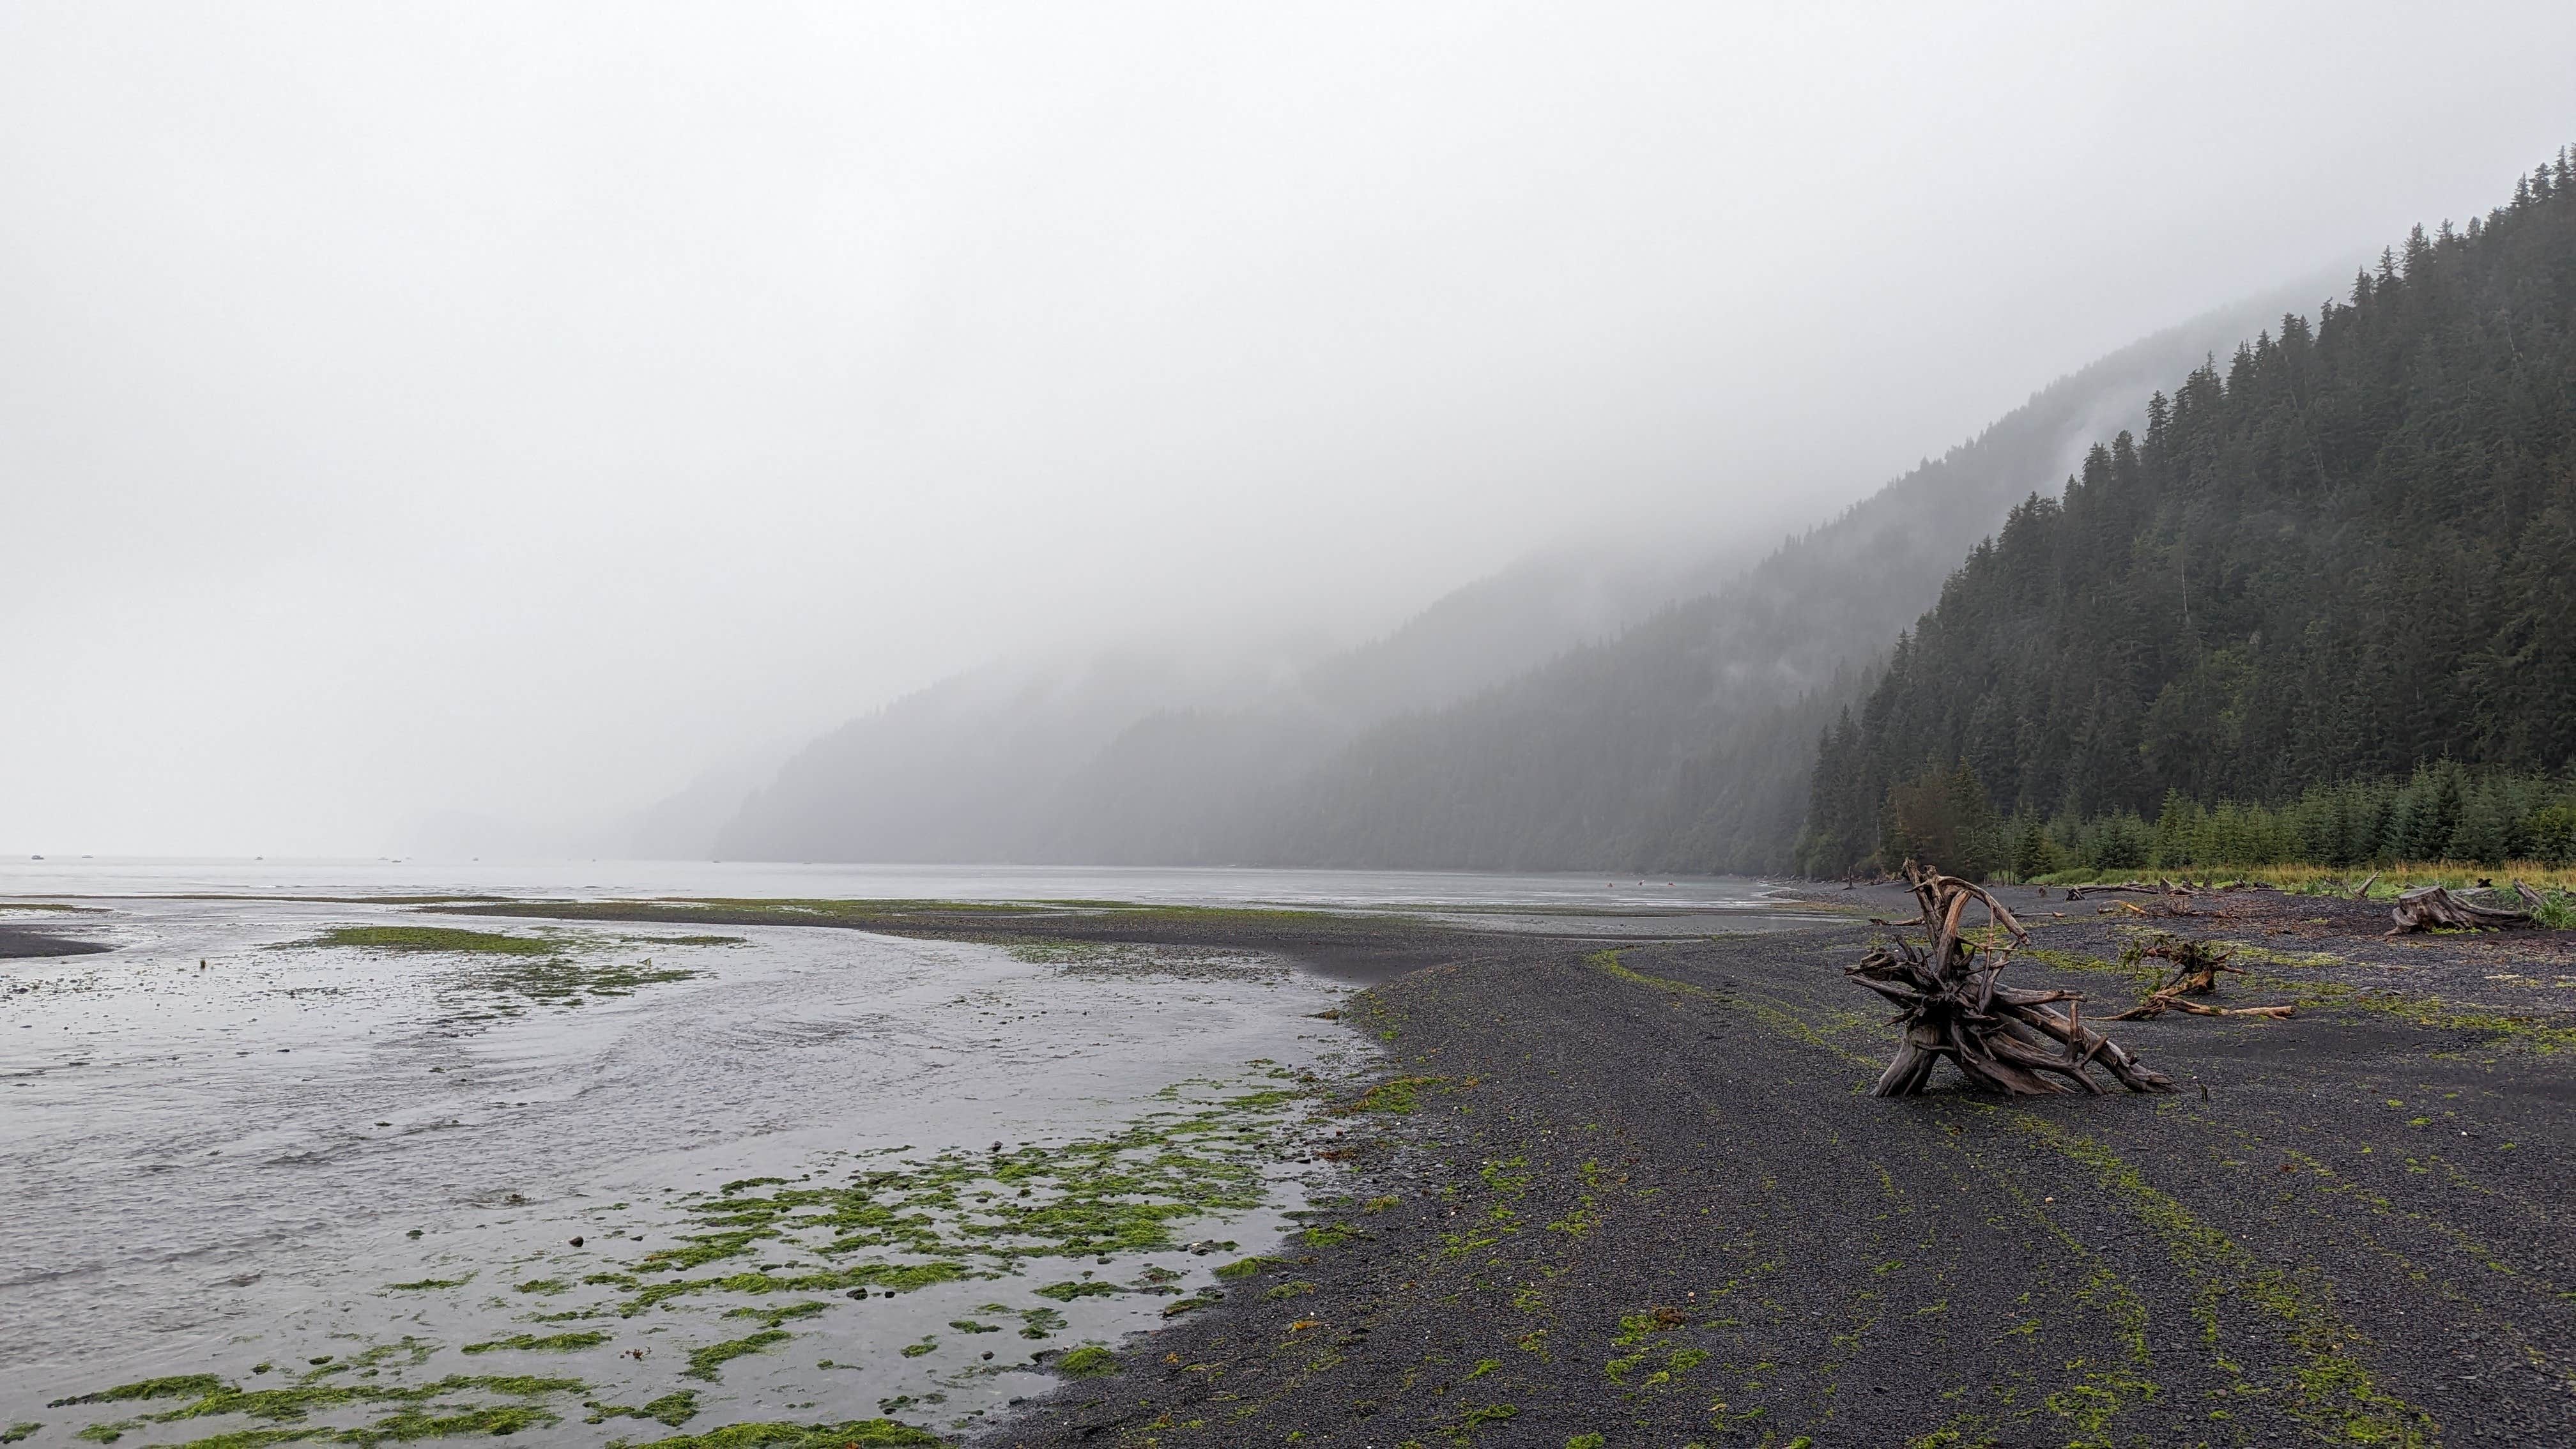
x=2000 y=1038
x=2128 y=887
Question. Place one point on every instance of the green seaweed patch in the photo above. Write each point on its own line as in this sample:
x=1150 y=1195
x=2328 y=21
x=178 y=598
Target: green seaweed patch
x=704 y=1362
x=673 y=1409
x=179 y=1386
x=546 y=970
x=981 y=1214
x=1247 y=1267
x=441 y=939
x=1068 y=1292
x=23 y=1430
x=1400 y=1096
x=855 y=1434
x=417 y=1422
x=568 y=981
x=783 y=1313
x=892 y=1277
x=1090 y=1361
x=549 y=1343
x=411 y=1412
x=545 y=1286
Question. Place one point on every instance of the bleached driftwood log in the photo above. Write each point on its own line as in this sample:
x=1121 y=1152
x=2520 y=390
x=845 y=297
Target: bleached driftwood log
x=2001 y=1038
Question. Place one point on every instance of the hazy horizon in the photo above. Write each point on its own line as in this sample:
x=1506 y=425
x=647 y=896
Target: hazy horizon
x=521 y=413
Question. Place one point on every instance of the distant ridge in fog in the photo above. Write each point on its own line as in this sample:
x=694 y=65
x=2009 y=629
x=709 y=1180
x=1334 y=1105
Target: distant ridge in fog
x=1574 y=712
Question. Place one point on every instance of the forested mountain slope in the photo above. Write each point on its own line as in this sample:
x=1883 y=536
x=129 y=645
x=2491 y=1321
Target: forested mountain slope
x=2350 y=550
x=1684 y=744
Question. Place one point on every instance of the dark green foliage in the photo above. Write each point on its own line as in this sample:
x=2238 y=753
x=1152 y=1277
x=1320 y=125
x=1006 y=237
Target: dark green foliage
x=2442 y=812
x=2345 y=554
x=1943 y=819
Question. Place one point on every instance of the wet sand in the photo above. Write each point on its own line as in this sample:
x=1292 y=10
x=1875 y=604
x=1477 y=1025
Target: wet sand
x=256 y=1187
x=18 y=943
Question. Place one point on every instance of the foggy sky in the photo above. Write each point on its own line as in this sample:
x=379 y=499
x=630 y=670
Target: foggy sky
x=519 y=409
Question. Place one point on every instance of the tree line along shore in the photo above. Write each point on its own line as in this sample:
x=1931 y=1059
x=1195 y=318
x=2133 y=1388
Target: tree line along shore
x=2319 y=613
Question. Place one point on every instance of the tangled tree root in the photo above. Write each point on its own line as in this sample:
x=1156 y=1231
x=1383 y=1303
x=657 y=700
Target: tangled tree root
x=2196 y=965
x=1999 y=1037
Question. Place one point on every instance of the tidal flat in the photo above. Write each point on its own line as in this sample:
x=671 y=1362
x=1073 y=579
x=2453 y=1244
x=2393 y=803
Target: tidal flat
x=333 y=1171
x=1401 y=1174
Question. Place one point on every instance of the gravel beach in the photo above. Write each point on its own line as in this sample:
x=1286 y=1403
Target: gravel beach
x=1640 y=1194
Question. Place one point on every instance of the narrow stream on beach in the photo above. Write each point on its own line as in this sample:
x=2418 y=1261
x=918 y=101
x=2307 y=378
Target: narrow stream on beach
x=615 y=1179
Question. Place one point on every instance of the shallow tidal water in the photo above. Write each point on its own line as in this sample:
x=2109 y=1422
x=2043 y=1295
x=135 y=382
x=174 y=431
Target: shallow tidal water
x=366 y=1170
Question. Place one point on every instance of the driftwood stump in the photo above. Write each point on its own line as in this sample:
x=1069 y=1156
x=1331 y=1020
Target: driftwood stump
x=1999 y=1037
x=2196 y=965
x=2428 y=906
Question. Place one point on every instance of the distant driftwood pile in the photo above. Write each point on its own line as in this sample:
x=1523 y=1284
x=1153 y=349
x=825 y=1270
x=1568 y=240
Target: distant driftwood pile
x=2000 y=1038
x=2428 y=906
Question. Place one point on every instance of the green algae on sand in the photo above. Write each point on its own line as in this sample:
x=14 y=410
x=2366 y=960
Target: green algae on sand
x=874 y=1224
x=983 y=1213
x=704 y=1362
x=864 y=1433
x=454 y=1405
x=1090 y=1361
x=551 y=1343
x=440 y=939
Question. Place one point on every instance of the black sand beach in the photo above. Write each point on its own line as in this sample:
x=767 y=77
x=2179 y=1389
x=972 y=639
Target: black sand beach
x=1638 y=1191
x=1643 y=1196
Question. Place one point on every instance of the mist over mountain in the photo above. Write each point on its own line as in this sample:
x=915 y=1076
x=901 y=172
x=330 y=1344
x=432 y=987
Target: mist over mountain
x=1649 y=707
x=2345 y=553
x=1151 y=752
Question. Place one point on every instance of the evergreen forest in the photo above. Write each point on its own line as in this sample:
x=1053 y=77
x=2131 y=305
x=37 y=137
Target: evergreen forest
x=2322 y=609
